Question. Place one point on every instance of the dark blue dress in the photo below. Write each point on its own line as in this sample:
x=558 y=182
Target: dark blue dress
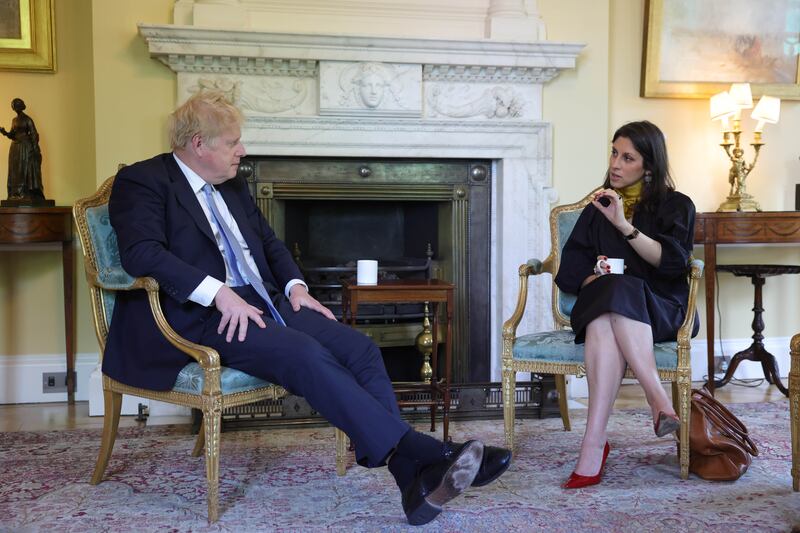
x=654 y=295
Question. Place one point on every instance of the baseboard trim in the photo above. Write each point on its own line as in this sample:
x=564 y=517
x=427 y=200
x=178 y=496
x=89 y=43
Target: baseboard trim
x=21 y=377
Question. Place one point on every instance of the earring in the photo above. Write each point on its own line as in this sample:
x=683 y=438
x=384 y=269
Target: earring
x=647 y=177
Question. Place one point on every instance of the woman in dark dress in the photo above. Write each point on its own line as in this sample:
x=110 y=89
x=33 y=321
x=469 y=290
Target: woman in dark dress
x=639 y=217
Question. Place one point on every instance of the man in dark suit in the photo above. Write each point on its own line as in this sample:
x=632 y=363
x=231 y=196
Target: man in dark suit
x=231 y=284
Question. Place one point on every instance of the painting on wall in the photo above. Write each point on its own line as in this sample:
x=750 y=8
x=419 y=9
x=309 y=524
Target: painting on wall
x=696 y=49
x=27 y=36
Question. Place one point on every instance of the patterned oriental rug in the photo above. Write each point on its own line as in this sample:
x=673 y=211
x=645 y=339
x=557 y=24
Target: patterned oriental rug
x=284 y=480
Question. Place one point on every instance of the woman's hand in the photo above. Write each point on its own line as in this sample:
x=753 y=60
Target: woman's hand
x=609 y=203
x=601 y=268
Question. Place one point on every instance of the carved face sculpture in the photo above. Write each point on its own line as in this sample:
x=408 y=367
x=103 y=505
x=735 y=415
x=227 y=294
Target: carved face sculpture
x=372 y=82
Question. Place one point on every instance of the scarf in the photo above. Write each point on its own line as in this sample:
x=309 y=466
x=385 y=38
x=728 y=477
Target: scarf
x=630 y=197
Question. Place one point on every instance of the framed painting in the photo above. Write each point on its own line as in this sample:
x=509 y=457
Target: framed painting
x=696 y=49
x=27 y=35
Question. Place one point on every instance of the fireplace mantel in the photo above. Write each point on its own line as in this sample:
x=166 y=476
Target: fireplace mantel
x=310 y=94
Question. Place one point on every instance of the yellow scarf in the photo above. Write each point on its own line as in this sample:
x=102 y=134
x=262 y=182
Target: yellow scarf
x=630 y=196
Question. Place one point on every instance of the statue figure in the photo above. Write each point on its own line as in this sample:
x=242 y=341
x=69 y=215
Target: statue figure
x=24 y=161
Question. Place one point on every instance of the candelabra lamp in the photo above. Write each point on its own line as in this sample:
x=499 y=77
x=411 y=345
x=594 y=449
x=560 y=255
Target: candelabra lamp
x=727 y=107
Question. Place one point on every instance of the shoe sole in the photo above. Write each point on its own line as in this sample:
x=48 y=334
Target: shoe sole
x=667 y=425
x=459 y=476
x=495 y=476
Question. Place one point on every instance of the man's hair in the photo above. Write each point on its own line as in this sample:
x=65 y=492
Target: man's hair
x=206 y=113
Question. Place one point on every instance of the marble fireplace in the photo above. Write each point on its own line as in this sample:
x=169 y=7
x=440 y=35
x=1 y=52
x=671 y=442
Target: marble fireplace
x=343 y=95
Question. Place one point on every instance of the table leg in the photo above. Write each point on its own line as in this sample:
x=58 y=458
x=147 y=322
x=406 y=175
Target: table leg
x=710 y=251
x=69 y=317
x=448 y=357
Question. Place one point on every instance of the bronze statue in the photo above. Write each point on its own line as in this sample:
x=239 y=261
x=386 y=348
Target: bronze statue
x=24 y=161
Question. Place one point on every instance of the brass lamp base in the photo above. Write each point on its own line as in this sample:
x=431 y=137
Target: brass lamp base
x=739 y=202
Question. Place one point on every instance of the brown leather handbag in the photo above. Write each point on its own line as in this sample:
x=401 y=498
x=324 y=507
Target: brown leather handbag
x=719 y=447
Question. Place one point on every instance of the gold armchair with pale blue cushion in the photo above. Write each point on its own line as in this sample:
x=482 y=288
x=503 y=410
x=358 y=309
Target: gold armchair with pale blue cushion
x=555 y=352
x=202 y=384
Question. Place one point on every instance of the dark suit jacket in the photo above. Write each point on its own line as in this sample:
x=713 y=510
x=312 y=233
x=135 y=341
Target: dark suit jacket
x=163 y=233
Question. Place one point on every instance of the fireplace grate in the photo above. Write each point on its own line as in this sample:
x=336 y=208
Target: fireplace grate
x=537 y=398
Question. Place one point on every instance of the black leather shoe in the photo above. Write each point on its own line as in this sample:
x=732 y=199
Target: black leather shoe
x=440 y=482
x=495 y=462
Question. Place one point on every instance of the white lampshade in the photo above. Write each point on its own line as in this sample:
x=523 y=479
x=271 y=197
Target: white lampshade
x=740 y=92
x=768 y=110
x=722 y=106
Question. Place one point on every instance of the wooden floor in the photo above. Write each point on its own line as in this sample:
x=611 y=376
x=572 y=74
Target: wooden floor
x=57 y=416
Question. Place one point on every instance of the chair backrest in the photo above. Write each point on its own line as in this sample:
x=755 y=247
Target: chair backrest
x=562 y=221
x=104 y=271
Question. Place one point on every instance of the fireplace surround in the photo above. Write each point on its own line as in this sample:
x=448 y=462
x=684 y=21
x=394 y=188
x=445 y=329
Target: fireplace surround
x=333 y=211
x=360 y=97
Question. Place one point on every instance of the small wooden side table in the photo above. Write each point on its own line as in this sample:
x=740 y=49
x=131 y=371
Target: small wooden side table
x=34 y=225
x=412 y=291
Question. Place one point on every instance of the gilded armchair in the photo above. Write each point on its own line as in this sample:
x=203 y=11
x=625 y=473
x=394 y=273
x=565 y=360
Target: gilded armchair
x=202 y=384
x=555 y=352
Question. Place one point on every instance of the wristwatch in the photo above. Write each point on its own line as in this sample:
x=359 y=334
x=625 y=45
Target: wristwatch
x=633 y=235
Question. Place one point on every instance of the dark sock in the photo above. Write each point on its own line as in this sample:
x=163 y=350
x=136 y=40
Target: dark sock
x=403 y=469
x=420 y=447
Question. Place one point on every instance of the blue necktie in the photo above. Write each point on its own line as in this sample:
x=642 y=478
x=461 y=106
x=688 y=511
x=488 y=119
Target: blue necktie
x=238 y=264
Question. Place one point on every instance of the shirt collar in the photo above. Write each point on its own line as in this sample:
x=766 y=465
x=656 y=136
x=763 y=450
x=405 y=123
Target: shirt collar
x=195 y=181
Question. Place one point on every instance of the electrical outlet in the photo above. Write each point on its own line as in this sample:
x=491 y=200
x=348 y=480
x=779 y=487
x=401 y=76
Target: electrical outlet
x=54 y=382
x=720 y=364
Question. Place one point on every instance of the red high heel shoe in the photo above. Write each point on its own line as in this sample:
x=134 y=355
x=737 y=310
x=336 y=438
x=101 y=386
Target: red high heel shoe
x=577 y=481
x=666 y=424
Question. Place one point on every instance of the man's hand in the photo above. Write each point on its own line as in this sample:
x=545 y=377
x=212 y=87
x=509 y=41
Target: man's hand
x=236 y=313
x=299 y=297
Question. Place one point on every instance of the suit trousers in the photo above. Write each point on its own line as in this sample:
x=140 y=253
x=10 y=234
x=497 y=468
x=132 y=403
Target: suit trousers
x=338 y=370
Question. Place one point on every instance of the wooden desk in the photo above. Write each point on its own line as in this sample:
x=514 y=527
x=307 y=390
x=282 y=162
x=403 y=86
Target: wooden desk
x=30 y=225
x=737 y=228
x=412 y=291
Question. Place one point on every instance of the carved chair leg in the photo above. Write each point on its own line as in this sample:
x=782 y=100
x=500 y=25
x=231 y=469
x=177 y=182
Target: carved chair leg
x=794 y=409
x=212 y=420
x=112 y=402
x=561 y=388
x=683 y=387
x=200 y=442
x=341 y=452
x=509 y=393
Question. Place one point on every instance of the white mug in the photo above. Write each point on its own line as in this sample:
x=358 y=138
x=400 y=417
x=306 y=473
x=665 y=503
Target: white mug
x=367 y=272
x=617 y=265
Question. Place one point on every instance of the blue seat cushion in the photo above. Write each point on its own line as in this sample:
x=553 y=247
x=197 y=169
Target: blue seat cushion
x=559 y=347
x=191 y=377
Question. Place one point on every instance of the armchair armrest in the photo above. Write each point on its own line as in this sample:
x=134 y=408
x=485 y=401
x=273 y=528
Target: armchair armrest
x=207 y=358
x=695 y=273
x=532 y=268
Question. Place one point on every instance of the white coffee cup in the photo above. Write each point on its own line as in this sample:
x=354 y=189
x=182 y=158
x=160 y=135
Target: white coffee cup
x=617 y=265
x=367 y=272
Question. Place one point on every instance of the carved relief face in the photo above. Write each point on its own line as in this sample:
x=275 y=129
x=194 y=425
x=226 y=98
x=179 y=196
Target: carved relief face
x=371 y=87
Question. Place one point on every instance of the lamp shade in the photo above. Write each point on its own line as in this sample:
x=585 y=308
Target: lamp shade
x=722 y=106
x=768 y=110
x=742 y=97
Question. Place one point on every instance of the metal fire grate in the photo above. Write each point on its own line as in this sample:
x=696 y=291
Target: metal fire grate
x=537 y=398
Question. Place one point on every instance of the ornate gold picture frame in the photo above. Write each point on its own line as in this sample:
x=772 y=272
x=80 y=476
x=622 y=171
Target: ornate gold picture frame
x=696 y=49
x=27 y=35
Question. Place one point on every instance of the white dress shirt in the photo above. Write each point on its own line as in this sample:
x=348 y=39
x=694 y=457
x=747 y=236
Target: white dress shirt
x=205 y=292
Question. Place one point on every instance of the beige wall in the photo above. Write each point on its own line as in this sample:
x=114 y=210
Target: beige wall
x=105 y=104
x=108 y=101
x=583 y=122
x=31 y=292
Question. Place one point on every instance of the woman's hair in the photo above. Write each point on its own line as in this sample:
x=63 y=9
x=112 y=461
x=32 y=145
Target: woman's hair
x=207 y=113
x=649 y=141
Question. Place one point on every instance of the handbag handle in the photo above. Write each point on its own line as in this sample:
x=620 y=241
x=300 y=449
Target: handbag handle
x=725 y=421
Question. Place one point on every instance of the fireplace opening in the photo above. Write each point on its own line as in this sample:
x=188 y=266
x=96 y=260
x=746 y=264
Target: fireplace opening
x=420 y=219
